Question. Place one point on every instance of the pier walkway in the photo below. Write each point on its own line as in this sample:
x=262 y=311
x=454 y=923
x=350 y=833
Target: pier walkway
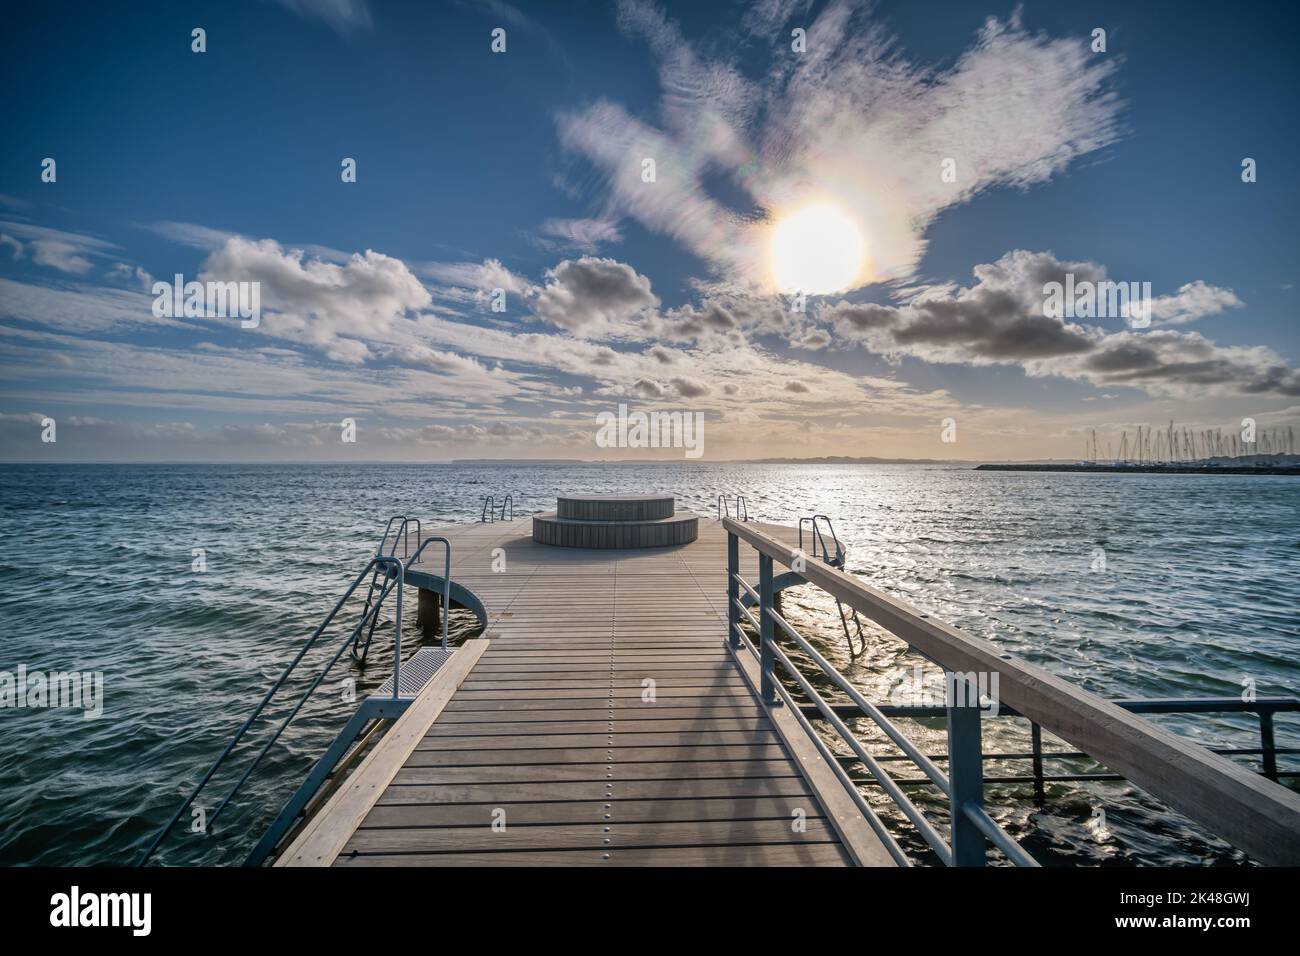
x=600 y=719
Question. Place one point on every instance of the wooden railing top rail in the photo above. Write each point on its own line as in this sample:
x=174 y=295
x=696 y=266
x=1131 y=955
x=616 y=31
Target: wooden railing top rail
x=1257 y=816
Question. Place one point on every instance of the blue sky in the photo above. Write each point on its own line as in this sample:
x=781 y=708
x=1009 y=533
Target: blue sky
x=519 y=171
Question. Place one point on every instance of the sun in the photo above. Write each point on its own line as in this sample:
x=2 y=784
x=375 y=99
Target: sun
x=817 y=250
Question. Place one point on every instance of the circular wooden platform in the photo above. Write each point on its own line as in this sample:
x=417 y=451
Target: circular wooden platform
x=567 y=533
x=615 y=521
x=614 y=507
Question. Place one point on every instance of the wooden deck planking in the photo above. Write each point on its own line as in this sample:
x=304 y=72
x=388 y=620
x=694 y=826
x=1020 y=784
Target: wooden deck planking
x=550 y=733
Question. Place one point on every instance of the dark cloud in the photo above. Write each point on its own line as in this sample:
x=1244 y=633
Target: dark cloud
x=590 y=296
x=1001 y=320
x=690 y=388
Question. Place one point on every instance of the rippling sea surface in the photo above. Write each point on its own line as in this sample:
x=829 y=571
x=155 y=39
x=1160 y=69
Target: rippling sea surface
x=1198 y=594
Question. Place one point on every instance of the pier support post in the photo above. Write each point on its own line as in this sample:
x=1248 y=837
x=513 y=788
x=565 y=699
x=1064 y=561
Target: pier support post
x=428 y=612
x=965 y=768
x=766 y=630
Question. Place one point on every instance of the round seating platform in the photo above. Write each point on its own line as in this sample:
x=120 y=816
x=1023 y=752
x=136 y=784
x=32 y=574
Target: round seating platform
x=615 y=521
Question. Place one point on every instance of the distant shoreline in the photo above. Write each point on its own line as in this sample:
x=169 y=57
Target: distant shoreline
x=1188 y=469
x=1291 y=467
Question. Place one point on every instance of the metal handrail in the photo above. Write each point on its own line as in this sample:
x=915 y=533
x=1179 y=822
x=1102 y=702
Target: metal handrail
x=777 y=655
x=361 y=651
x=508 y=500
x=1262 y=708
x=816 y=537
x=489 y=510
x=724 y=508
x=739 y=639
x=1260 y=817
x=446 y=587
x=836 y=562
x=395 y=573
x=965 y=803
x=403 y=530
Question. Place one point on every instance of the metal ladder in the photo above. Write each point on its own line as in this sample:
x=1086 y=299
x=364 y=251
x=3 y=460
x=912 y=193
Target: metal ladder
x=389 y=703
x=393 y=579
x=489 y=513
x=359 y=650
x=821 y=552
x=742 y=508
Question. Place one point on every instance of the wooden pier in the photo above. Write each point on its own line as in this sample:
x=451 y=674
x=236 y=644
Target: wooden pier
x=617 y=711
x=601 y=719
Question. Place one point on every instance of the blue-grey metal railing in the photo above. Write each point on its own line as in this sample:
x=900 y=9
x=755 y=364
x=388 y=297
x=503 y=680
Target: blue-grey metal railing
x=393 y=579
x=489 y=509
x=1262 y=708
x=508 y=501
x=969 y=825
x=1254 y=814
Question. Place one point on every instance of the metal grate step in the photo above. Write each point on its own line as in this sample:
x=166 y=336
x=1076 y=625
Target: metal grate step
x=417 y=671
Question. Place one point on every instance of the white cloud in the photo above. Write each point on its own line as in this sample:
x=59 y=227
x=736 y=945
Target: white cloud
x=1193 y=301
x=190 y=234
x=343 y=16
x=584 y=235
x=69 y=252
x=81 y=308
x=474 y=281
x=133 y=275
x=337 y=308
x=850 y=121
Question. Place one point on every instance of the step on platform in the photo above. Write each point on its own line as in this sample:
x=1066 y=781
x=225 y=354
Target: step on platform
x=615 y=521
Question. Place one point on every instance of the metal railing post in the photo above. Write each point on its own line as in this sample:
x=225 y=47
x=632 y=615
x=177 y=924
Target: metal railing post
x=965 y=769
x=397 y=630
x=733 y=590
x=1267 y=745
x=766 y=629
x=1036 y=738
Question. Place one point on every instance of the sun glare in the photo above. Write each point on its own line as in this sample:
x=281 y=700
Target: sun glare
x=817 y=250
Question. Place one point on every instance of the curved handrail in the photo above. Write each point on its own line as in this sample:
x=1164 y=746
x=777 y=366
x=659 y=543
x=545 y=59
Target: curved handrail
x=489 y=509
x=508 y=500
x=724 y=510
x=446 y=587
x=279 y=682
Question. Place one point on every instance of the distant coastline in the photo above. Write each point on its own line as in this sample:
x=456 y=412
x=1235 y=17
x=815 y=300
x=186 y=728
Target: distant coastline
x=1208 y=468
